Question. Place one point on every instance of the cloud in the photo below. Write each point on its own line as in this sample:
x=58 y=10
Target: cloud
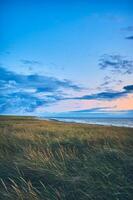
x=103 y=96
x=108 y=95
x=30 y=62
x=129 y=88
x=24 y=93
x=116 y=64
x=109 y=82
x=40 y=82
x=129 y=37
x=19 y=102
x=128 y=29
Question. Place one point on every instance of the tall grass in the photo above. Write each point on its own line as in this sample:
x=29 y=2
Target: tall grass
x=47 y=160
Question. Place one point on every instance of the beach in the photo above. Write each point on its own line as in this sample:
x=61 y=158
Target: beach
x=120 y=122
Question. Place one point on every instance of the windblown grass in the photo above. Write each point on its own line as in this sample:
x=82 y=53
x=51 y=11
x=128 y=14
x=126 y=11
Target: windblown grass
x=48 y=160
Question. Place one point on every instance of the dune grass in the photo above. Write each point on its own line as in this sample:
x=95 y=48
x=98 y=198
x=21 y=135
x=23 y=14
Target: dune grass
x=48 y=160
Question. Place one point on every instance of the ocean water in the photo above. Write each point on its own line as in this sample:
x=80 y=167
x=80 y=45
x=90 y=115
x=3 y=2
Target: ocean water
x=121 y=122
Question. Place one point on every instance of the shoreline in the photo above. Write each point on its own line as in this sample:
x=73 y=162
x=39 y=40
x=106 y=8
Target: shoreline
x=85 y=123
x=70 y=121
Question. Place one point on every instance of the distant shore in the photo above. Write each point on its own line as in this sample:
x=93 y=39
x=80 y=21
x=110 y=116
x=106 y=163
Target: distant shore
x=123 y=122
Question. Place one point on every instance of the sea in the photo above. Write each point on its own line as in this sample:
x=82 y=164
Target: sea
x=120 y=122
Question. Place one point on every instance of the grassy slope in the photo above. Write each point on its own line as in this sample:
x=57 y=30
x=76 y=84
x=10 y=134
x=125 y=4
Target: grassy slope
x=64 y=161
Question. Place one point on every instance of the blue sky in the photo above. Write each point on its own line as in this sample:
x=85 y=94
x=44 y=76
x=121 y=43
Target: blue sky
x=65 y=56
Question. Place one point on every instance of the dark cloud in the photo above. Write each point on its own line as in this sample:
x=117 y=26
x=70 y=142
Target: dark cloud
x=39 y=82
x=105 y=83
x=19 y=102
x=26 y=92
x=30 y=62
x=116 y=64
x=108 y=95
x=129 y=88
x=128 y=29
x=103 y=96
x=129 y=37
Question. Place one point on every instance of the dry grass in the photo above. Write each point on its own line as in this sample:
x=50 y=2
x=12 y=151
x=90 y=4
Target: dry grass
x=48 y=160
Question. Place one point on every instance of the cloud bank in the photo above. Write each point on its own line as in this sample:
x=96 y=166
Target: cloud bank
x=108 y=95
x=129 y=37
x=24 y=93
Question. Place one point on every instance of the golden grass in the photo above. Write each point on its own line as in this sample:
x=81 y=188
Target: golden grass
x=64 y=161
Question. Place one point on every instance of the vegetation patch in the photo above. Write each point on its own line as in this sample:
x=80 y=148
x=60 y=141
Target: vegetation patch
x=50 y=160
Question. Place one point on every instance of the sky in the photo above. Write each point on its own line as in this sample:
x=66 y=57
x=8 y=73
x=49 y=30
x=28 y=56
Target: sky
x=66 y=58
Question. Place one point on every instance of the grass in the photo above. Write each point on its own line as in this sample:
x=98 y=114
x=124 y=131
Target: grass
x=49 y=160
